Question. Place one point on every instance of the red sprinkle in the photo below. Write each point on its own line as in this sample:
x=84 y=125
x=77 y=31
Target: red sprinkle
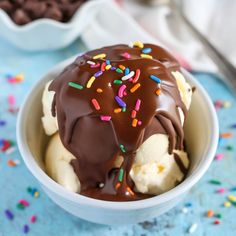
x=133 y=114
x=96 y=104
x=103 y=66
x=33 y=218
x=136 y=77
x=216 y=222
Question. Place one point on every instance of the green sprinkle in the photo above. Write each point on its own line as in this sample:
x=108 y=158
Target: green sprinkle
x=117 y=81
x=20 y=206
x=118 y=70
x=124 y=109
x=218 y=215
x=122 y=148
x=74 y=85
x=214 y=181
x=229 y=147
x=121 y=175
x=29 y=189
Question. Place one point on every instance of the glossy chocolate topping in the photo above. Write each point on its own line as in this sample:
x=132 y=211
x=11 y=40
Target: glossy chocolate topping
x=108 y=102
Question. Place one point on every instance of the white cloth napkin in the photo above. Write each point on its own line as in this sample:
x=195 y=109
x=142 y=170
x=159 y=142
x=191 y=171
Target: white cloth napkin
x=130 y=21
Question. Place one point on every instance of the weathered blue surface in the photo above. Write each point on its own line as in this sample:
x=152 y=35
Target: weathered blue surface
x=54 y=221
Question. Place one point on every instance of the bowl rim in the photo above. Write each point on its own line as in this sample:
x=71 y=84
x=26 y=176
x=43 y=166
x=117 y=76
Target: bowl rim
x=69 y=196
x=45 y=21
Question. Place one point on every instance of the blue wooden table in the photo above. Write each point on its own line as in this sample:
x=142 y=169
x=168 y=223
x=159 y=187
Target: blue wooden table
x=52 y=220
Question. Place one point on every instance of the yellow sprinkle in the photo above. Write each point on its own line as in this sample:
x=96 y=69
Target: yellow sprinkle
x=117 y=110
x=36 y=194
x=122 y=67
x=232 y=198
x=90 y=82
x=227 y=204
x=160 y=168
x=108 y=67
x=100 y=56
x=158 y=92
x=134 y=122
x=227 y=104
x=138 y=44
x=99 y=90
x=135 y=87
x=146 y=56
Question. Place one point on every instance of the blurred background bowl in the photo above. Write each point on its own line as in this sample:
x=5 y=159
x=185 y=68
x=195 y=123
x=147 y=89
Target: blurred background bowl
x=47 y=34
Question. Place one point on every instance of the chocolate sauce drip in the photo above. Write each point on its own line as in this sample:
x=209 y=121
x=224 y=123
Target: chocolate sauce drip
x=95 y=143
x=180 y=164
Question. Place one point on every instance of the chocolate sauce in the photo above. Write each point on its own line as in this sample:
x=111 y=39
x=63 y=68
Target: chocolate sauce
x=97 y=134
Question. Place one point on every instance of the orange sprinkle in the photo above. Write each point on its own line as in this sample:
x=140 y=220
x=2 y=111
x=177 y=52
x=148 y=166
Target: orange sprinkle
x=134 y=122
x=99 y=90
x=158 y=92
x=130 y=191
x=117 y=110
x=122 y=67
x=133 y=114
x=96 y=104
x=11 y=163
x=118 y=185
x=210 y=213
x=226 y=135
x=135 y=87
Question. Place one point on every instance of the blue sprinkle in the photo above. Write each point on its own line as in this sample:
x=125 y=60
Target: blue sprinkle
x=155 y=78
x=188 y=204
x=120 y=101
x=25 y=229
x=9 y=214
x=233 y=189
x=146 y=50
x=2 y=122
x=98 y=73
x=233 y=126
x=126 y=71
x=108 y=62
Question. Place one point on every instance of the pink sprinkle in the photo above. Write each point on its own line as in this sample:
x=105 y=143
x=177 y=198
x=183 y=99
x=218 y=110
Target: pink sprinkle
x=11 y=100
x=131 y=79
x=137 y=106
x=24 y=202
x=139 y=122
x=219 y=156
x=105 y=118
x=218 y=104
x=33 y=218
x=125 y=93
x=126 y=55
x=220 y=190
x=95 y=66
x=121 y=90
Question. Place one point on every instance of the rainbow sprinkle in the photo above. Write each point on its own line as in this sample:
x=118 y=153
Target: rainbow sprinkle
x=96 y=104
x=155 y=78
x=146 y=56
x=75 y=85
x=99 y=56
x=138 y=44
x=146 y=50
x=126 y=55
x=122 y=148
x=137 y=105
x=126 y=77
x=105 y=118
x=90 y=82
x=121 y=175
x=120 y=101
x=121 y=90
x=137 y=74
x=135 y=87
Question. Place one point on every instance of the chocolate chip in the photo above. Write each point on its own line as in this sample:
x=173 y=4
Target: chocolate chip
x=6 y=6
x=20 y=17
x=35 y=9
x=53 y=13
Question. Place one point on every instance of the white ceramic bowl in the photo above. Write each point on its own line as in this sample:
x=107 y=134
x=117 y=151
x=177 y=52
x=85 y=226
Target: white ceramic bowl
x=201 y=133
x=47 y=34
